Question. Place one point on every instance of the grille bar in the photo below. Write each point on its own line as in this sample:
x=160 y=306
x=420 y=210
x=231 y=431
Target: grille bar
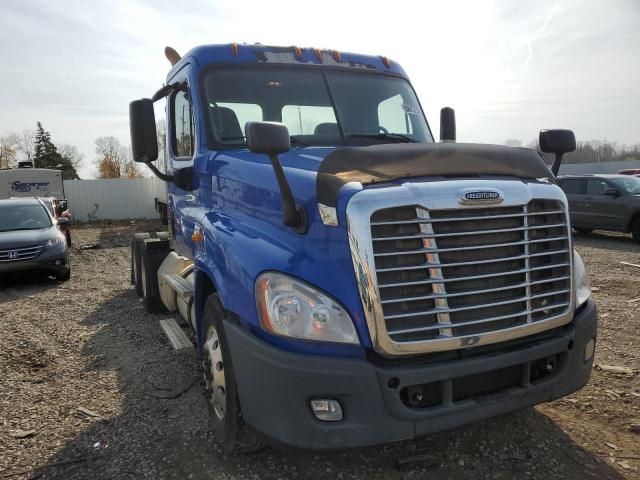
x=474 y=247
x=22 y=253
x=477 y=292
x=460 y=264
x=463 y=219
x=479 y=322
x=434 y=311
x=476 y=277
x=473 y=232
x=462 y=273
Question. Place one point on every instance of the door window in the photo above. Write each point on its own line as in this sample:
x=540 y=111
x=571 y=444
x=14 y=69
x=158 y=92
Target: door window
x=596 y=187
x=573 y=187
x=183 y=124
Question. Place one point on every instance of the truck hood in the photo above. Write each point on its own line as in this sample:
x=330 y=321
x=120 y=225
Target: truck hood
x=26 y=238
x=316 y=174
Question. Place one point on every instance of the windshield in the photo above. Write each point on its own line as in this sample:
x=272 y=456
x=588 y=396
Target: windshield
x=23 y=217
x=631 y=185
x=319 y=108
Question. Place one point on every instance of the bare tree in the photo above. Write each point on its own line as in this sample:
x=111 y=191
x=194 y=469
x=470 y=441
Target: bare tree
x=114 y=160
x=109 y=161
x=8 y=150
x=26 y=143
x=513 y=142
x=71 y=153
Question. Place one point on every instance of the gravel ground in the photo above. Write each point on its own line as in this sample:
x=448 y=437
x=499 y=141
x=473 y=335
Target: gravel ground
x=88 y=344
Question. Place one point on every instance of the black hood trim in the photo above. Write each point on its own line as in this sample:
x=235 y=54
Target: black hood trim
x=383 y=163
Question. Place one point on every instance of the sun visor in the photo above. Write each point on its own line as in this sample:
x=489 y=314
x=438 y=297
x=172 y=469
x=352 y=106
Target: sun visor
x=382 y=163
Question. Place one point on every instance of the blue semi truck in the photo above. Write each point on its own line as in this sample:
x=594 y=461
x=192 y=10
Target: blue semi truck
x=346 y=279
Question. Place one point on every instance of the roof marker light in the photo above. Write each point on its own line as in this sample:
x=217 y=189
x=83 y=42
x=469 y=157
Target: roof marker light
x=387 y=62
x=336 y=56
x=297 y=51
x=234 y=49
x=318 y=53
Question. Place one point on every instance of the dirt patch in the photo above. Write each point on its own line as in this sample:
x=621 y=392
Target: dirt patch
x=89 y=344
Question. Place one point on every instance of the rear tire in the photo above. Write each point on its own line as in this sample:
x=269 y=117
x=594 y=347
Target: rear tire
x=137 y=244
x=152 y=254
x=583 y=230
x=223 y=403
x=635 y=229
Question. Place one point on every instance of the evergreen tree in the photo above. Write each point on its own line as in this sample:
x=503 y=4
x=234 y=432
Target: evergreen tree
x=46 y=155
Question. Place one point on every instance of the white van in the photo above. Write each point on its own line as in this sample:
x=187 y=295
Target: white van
x=31 y=182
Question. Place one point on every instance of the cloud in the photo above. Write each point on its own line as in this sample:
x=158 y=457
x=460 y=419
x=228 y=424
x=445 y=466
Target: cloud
x=509 y=68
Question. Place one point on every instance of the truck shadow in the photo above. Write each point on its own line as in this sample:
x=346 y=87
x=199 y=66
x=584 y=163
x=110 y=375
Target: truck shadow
x=143 y=436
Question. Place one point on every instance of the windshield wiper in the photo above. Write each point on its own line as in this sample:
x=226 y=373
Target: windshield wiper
x=293 y=139
x=394 y=137
x=296 y=141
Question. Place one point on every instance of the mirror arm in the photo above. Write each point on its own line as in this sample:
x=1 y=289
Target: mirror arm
x=158 y=173
x=292 y=216
x=165 y=91
x=555 y=168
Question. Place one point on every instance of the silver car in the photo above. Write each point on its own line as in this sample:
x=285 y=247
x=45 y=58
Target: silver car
x=603 y=202
x=31 y=239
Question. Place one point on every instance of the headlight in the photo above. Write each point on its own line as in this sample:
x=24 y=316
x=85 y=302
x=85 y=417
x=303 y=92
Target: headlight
x=581 y=280
x=293 y=308
x=52 y=242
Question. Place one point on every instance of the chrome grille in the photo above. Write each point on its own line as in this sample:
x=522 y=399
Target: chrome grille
x=19 y=254
x=468 y=272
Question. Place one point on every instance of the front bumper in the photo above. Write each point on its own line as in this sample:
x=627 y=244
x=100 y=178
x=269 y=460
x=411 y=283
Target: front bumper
x=275 y=388
x=53 y=261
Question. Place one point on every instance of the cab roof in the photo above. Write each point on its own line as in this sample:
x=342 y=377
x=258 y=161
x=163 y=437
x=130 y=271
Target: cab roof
x=235 y=53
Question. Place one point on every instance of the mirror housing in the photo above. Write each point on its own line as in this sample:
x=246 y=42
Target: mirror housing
x=144 y=140
x=447 y=124
x=557 y=141
x=270 y=138
x=611 y=192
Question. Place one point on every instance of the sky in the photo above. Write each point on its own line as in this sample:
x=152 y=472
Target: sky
x=508 y=67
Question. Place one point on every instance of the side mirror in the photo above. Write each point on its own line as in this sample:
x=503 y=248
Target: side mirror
x=270 y=138
x=142 y=123
x=611 y=192
x=559 y=142
x=63 y=220
x=447 y=124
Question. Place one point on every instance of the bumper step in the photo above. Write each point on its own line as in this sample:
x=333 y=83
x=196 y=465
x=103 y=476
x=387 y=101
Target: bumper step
x=176 y=336
x=182 y=286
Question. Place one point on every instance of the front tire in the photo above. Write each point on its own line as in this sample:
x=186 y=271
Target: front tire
x=64 y=276
x=221 y=392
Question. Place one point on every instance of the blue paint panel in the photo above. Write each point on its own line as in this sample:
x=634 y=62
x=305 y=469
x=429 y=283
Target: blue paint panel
x=237 y=206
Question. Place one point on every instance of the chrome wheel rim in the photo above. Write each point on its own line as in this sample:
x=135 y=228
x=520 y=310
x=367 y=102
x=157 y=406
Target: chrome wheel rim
x=135 y=269
x=214 y=373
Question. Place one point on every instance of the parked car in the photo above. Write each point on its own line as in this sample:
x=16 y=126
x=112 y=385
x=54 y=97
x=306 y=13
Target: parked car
x=603 y=202
x=58 y=209
x=630 y=171
x=31 y=239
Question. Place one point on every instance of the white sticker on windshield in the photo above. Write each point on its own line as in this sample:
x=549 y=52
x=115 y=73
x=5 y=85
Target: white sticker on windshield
x=411 y=109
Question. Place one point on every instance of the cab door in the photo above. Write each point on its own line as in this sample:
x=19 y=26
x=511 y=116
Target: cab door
x=607 y=211
x=185 y=208
x=574 y=189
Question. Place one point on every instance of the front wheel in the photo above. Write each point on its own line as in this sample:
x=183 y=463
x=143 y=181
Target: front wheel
x=221 y=389
x=635 y=229
x=64 y=276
